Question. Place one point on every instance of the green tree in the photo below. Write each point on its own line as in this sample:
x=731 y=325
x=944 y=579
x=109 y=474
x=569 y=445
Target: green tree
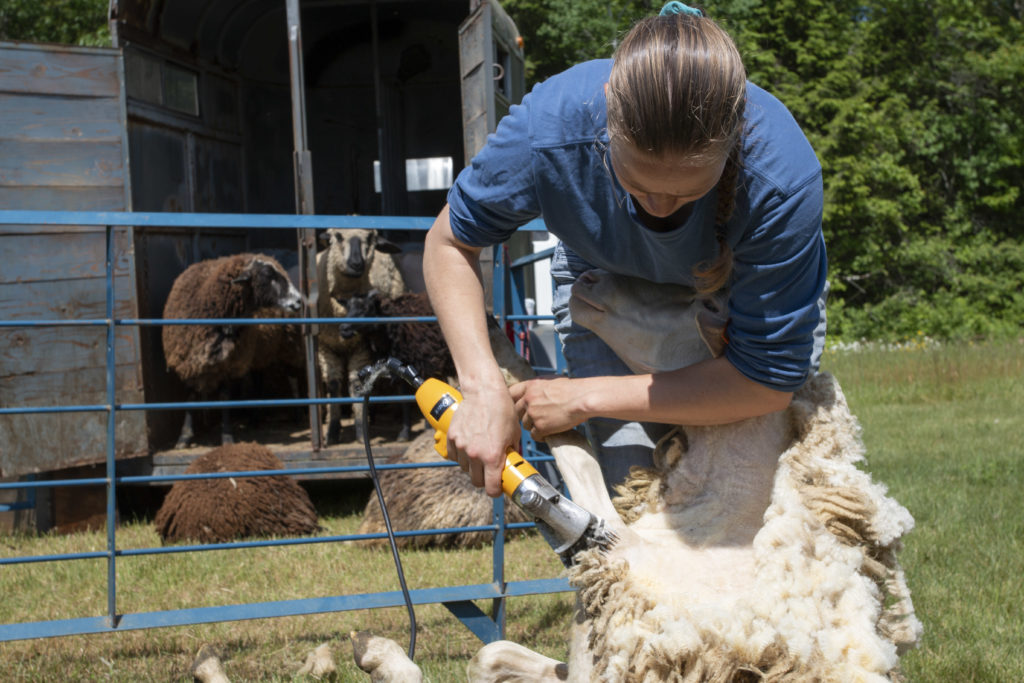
x=73 y=22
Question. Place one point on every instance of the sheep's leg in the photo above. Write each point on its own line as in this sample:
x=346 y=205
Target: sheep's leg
x=509 y=662
x=333 y=413
x=405 y=433
x=227 y=436
x=383 y=659
x=573 y=455
x=582 y=475
x=359 y=359
x=187 y=433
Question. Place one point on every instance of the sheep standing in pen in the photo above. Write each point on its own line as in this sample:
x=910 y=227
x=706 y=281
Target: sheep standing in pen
x=353 y=262
x=224 y=509
x=208 y=358
x=418 y=344
x=751 y=551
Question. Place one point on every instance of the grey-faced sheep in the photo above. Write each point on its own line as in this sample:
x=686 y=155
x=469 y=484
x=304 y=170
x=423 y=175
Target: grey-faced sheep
x=418 y=344
x=208 y=358
x=224 y=509
x=432 y=498
x=752 y=551
x=353 y=262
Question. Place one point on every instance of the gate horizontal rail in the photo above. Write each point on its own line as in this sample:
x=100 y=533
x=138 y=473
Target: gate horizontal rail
x=458 y=599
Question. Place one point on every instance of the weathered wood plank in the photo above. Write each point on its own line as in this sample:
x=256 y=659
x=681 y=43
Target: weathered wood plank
x=62 y=197
x=33 y=257
x=41 y=443
x=61 y=162
x=37 y=117
x=58 y=71
x=70 y=299
x=86 y=386
x=25 y=351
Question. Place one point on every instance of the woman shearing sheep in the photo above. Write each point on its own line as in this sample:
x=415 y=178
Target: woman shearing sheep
x=663 y=163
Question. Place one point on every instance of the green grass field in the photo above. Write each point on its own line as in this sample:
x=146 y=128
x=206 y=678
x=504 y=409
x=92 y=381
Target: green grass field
x=943 y=429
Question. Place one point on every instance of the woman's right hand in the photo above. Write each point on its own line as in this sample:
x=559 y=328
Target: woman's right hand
x=482 y=431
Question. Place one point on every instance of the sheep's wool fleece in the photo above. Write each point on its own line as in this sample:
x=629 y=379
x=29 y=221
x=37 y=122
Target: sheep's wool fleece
x=221 y=510
x=432 y=498
x=828 y=600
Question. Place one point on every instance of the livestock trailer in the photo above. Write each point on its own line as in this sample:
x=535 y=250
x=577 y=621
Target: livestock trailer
x=326 y=107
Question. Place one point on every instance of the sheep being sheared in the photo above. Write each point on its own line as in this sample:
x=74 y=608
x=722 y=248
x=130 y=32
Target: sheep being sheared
x=432 y=498
x=349 y=265
x=418 y=344
x=224 y=509
x=208 y=358
x=751 y=551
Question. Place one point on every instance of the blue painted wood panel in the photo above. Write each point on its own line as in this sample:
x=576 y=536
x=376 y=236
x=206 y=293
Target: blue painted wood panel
x=60 y=70
x=60 y=162
x=38 y=117
x=62 y=148
x=29 y=255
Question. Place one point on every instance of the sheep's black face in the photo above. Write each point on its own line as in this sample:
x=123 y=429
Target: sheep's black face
x=359 y=306
x=270 y=286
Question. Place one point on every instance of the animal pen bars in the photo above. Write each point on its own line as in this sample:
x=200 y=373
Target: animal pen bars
x=188 y=113
x=458 y=599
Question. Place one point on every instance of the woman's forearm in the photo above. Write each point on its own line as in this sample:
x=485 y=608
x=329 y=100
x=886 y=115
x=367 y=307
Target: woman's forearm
x=484 y=427
x=710 y=392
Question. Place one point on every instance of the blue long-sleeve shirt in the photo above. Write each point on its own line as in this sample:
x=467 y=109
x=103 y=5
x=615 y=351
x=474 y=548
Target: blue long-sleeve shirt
x=548 y=158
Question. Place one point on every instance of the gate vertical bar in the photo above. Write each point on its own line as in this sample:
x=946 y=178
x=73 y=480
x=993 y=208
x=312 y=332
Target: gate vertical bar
x=111 y=436
x=303 y=166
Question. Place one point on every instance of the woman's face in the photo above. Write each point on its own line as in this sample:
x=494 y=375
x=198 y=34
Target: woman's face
x=662 y=186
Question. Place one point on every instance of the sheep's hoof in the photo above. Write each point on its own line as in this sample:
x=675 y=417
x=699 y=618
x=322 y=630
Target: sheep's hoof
x=320 y=664
x=207 y=667
x=404 y=434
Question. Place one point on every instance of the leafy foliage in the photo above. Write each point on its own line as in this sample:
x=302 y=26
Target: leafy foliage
x=74 y=22
x=917 y=115
x=914 y=108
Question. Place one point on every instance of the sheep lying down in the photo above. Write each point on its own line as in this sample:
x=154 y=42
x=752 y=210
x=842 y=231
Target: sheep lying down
x=750 y=551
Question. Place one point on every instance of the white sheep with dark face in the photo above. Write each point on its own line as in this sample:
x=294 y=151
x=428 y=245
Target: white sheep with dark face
x=751 y=551
x=353 y=262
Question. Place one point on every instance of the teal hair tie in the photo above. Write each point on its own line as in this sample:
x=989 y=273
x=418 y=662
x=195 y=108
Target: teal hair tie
x=676 y=7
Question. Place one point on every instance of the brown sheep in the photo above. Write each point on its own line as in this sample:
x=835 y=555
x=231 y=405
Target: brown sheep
x=208 y=357
x=222 y=510
x=432 y=498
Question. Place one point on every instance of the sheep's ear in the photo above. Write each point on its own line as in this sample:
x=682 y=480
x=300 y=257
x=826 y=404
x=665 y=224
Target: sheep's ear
x=323 y=240
x=246 y=274
x=386 y=246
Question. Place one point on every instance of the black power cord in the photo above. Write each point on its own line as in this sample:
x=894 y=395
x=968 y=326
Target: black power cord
x=387 y=525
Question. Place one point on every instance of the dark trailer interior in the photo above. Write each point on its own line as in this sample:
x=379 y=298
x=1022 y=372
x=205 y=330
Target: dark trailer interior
x=332 y=107
x=279 y=106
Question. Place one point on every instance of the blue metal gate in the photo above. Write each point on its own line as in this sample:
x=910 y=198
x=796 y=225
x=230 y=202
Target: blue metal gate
x=508 y=295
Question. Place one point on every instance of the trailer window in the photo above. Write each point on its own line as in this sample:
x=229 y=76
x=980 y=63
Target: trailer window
x=181 y=90
x=431 y=173
x=158 y=82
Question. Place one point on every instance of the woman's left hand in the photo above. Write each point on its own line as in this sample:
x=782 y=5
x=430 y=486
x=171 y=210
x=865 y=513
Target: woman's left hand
x=548 y=405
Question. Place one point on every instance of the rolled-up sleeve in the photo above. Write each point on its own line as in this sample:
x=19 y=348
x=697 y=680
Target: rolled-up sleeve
x=496 y=193
x=780 y=270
